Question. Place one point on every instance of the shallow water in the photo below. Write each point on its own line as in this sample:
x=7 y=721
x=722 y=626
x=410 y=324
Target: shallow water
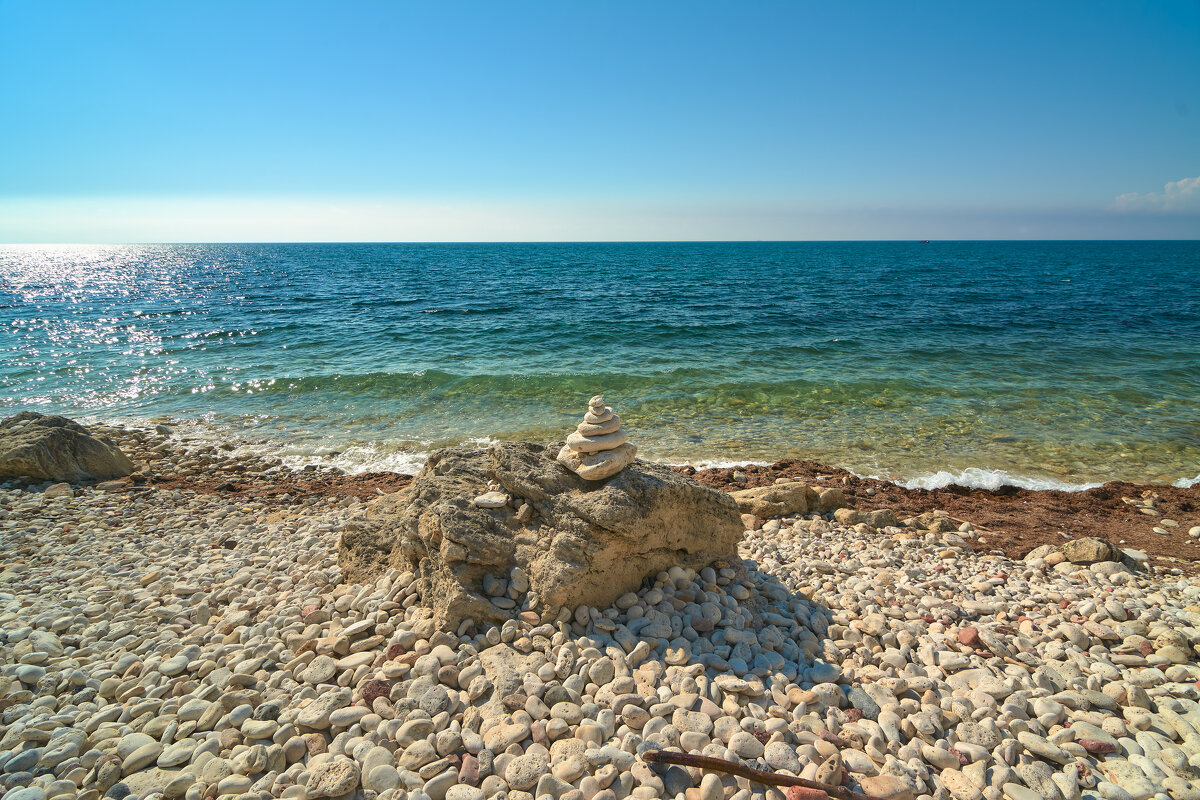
x=1028 y=362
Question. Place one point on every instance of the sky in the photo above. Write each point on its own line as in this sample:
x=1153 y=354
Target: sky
x=538 y=121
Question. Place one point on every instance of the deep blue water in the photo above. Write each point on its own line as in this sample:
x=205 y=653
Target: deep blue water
x=1074 y=361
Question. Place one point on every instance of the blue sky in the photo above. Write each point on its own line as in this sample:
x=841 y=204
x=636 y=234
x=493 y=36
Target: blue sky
x=246 y=121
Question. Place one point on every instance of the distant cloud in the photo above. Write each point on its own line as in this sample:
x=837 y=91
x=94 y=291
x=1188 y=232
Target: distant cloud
x=1180 y=195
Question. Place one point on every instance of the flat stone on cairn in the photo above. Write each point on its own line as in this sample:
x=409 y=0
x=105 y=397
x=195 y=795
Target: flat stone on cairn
x=597 y=450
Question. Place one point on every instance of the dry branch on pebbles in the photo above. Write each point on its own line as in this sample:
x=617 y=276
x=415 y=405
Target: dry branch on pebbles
x=907 y=667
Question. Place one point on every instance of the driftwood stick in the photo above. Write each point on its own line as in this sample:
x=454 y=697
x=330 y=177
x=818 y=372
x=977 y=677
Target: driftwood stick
x=758 y=776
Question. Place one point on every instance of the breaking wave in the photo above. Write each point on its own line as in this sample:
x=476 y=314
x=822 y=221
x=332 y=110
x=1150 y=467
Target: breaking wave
x=990 y=479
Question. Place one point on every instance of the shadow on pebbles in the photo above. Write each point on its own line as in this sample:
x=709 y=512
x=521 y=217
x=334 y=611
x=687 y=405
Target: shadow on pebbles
x=180 y=645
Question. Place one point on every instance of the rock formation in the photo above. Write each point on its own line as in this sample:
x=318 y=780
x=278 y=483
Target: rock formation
x=1087 y=550
x=597 y=449
x=44 y=448
x=555 y=541
x=777 y=500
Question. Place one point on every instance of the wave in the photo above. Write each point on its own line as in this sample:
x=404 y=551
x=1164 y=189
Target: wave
x=989 y=479
x=368 y=457
x=484 y=310
x=1186 y=483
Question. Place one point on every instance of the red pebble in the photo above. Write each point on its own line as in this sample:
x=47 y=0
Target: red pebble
x=969 y=636
x=468 y=773
x=395 y=649
x=1146 y=647
x=852 y=715
x=375 y=688
x=802 y=793
x=1096 y=747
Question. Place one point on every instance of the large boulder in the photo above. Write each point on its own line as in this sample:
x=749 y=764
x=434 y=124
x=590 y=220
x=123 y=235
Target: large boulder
x=480 y=528
x=45 y=448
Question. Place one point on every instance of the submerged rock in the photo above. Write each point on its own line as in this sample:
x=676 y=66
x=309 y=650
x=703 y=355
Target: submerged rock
x=569 y=542
x=44 y=448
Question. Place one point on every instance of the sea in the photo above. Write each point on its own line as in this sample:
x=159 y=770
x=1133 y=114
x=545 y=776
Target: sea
x=1036 y=364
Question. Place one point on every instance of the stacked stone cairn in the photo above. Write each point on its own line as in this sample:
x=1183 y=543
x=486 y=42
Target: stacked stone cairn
x=597 y=449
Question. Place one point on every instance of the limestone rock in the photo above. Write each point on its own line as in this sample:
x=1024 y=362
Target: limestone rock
x=333 y=778
x=876 y=519
x=583 y=543
x=597 y=466
x=891 y=787
x=777 y=500
x=42 y=448
x=936 y=521
x=598 y=448
x=1041 y=551
x=1089 y=550
x=830 y=499
x=150 y=780
x=491 y=500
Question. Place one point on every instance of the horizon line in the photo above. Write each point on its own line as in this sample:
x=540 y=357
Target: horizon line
x=574 y=241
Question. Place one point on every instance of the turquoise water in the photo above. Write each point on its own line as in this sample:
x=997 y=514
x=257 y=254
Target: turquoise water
x=1029 y=362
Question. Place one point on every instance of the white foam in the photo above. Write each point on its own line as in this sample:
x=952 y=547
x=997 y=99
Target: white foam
x=354 y=459
x=409 y=457
x=709 y=464
x=405 y=457
x=371 y=457
x=990 y=479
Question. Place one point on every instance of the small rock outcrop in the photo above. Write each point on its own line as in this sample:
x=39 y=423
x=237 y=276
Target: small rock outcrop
x=1085 y=551
x=45 y=448
x=597 y=449
x=557 y=541
x=780 y=499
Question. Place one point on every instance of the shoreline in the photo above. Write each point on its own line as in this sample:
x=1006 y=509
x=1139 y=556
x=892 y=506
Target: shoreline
x=406 y=456
x=1015 y=520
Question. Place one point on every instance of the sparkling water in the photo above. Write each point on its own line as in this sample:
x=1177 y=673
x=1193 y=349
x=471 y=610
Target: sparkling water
x=1036 y=363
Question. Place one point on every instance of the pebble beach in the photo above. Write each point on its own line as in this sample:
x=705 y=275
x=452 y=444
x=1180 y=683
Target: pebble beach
x=180 y=643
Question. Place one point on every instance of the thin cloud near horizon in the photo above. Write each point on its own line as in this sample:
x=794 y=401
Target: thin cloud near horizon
x=126 y=220
x=1178 y=196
